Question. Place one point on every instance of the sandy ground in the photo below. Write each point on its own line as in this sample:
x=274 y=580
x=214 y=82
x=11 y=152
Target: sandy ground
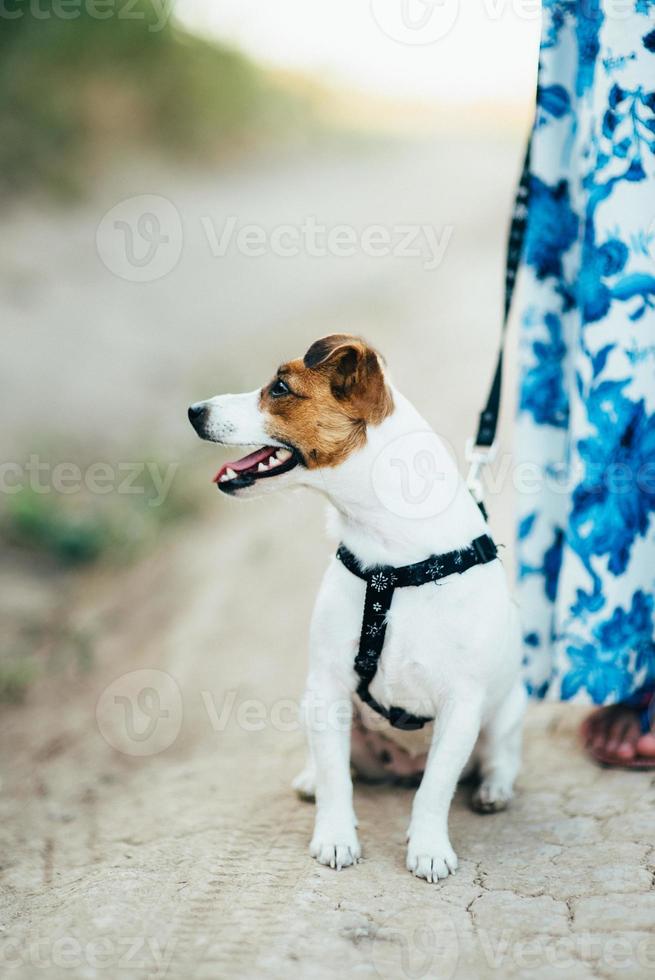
x=148 y=827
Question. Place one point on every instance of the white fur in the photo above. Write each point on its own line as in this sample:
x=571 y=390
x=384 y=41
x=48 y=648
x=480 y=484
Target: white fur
x=235 y=420
x=451 y=650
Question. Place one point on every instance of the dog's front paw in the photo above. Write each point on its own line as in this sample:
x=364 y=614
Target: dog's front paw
x=335 y=845
x=430 y=857
x=491 y=796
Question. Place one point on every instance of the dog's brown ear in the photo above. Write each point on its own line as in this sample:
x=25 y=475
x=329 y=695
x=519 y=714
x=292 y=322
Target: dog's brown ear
x=355 y=374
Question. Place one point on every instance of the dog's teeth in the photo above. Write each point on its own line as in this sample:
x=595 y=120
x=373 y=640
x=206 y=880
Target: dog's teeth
x=283 y=455
x=224 y=478
x=261 y=468
x=273 y=461
x=230 y=474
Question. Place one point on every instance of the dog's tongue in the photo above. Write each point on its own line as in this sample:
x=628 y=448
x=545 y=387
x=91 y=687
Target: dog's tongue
x=247 y=462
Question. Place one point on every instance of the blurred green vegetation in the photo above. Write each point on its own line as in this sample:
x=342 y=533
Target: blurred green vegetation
x=75 y=89
x=16 y=675
x=42 y=523
x=33 y=646
x=58 y=536
x=82 y=528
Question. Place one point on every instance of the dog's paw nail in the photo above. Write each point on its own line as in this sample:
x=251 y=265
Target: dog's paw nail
x=431 y=861
x=337 y=854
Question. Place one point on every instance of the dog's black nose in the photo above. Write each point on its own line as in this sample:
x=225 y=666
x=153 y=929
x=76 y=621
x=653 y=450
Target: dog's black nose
x=196 y=413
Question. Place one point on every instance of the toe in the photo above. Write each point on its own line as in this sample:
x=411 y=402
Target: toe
x=589 y=727
x=338 y=851
x=646 y=745
x=614 y=733
x=429 y=868
x=625 y=750
x=432 y=864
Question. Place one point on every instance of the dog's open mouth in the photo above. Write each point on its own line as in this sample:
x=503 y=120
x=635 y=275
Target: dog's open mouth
x=262 y=464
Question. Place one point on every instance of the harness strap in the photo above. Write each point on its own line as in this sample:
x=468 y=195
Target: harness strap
x=381 y=583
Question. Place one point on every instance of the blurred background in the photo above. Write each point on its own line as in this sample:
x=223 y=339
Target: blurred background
x=192 y=192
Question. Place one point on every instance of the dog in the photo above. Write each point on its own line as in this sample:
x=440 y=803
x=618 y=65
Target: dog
x=332 y=421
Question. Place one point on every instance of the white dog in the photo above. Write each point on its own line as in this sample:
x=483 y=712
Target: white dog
x=451 y=650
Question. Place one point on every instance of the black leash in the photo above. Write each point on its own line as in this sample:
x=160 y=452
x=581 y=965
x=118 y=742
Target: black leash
x=383 y=580
x=481 y=450
x=381 y=583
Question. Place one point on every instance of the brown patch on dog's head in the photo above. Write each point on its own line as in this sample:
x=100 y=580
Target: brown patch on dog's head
x=331 y=396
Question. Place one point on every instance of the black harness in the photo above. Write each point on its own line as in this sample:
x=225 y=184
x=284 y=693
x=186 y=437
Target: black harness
x=381 y=583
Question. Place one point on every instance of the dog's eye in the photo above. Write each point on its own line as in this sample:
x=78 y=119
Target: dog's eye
x=279 y=389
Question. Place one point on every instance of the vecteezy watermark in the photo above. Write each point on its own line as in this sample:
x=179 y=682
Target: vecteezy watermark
x=415 y=21
x=140 y=713
x=563 y=955
x=417 y=942
x=319 y=240
x=103 y=953
x=154 y=18
x=415 y=476
x=140 y=239
x=421 y=942
x=420 y=22
x=66 y=477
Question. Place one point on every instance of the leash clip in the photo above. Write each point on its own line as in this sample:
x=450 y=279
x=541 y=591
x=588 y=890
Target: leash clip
x=478 y=457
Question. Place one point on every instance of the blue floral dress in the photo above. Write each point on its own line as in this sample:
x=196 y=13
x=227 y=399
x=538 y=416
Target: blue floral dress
x=586 y=428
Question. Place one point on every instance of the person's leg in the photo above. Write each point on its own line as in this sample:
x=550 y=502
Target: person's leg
x=548 y=331
x=597 y=572
x=612 y=522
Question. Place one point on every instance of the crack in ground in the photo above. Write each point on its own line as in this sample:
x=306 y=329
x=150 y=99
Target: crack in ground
x=570 y=911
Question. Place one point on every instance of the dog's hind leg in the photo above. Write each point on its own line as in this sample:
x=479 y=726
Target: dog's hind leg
x=305 y=782
x=499 y=752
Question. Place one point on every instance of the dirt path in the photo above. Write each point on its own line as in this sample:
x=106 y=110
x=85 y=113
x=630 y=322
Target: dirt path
x=147 y=824
x=193 y=861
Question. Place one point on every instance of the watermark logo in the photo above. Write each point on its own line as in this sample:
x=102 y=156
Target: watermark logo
x=41 y=476
x=415 y=21
x=154 y=14
x=416 y=943
x=112 y=953
x=140 y=239
x=140 y=713
x=318 y=240
x=415 y=476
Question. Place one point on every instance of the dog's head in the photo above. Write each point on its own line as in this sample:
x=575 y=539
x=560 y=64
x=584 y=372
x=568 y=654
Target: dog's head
x=314 y=413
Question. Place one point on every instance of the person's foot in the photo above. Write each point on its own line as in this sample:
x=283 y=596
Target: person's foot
x=615 y=736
